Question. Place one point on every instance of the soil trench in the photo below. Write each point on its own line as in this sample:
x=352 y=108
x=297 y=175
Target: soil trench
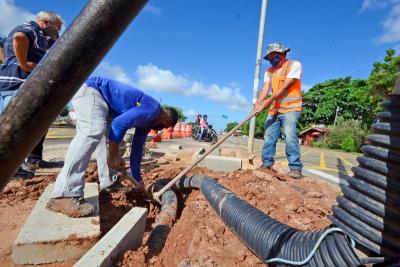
x=198 y=237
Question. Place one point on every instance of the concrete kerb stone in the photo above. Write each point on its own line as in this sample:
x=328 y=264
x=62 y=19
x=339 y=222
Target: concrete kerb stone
x=220 y=163
x=50 y=237
x=126 y=234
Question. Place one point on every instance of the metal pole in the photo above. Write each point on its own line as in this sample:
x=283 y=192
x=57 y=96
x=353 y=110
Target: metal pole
x=337 y=110
x=252 y=128
x=58 y=76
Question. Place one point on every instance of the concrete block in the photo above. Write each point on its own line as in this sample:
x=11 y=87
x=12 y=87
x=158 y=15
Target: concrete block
x=228 y=153
x=50 y=237
x=175 y=147
x=221 y=164
x=171 y=156
x=197 y=153
x=216 y=152
x=126 y=234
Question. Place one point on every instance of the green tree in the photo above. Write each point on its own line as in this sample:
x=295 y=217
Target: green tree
x=260 y=121
x=321 y=101
x=230 y=126
x=383 y=78
x=181 y=116
x=64 y=112
x=347 y=135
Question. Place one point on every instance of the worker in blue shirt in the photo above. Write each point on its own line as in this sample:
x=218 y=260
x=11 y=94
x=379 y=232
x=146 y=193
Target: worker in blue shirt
x=98 y=100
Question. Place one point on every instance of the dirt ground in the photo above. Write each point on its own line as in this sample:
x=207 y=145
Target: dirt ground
x=198 y=237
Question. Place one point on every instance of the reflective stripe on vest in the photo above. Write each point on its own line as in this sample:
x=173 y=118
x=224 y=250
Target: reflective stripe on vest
x=291 y=99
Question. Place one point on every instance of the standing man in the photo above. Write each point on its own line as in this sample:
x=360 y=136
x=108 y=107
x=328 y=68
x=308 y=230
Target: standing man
x=127 y=107
x=24 y=47
x=284 y=77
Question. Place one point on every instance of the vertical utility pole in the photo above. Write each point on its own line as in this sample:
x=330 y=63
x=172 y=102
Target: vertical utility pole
x=337 y=111
x=250 y=144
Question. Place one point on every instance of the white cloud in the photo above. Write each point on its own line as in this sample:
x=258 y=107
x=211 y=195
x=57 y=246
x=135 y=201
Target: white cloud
x=11 y=16
x=374 y=4
x=151 y=77
x=190 y=112
x=391 y=25
x=113 y=71
x=152 y=9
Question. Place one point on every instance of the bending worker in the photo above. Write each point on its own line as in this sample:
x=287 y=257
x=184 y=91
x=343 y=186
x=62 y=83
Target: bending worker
x=284 y=77
x=128 y=107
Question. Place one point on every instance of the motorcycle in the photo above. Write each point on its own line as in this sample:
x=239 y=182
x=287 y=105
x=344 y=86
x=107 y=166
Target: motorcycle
x=209 y=135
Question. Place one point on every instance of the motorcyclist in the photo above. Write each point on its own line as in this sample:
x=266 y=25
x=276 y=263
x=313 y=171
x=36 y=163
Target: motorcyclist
x=203 y=126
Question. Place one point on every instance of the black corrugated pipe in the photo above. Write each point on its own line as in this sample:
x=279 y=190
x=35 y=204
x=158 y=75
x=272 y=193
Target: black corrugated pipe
x=369 y=209
x=57 y=77
x=164 y=221
x=270 y=239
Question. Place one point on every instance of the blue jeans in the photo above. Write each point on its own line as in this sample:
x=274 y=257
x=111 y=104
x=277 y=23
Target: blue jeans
x=272 y=127
x=37 y=153
x=5 y=98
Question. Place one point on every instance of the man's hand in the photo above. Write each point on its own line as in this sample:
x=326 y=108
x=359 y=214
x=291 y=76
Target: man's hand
x=116 y=162
x=258 y=107
x=28 y=66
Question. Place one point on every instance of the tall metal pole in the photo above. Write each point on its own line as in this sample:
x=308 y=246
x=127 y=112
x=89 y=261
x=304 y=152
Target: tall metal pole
x=250 y=144
x=58 y=76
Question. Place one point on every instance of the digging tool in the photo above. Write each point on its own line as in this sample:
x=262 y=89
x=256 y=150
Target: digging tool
x=132 y=181
x=185 y=171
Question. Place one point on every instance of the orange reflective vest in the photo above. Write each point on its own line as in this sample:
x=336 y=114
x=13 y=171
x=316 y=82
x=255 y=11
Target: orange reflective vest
x=290 y=100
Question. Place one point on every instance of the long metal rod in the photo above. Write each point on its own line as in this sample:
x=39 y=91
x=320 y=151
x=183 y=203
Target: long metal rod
x=58 y=76
x=158 y=194
x=252 y=127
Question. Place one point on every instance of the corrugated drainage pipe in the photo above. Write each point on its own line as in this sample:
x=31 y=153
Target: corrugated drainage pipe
x=271 y=240
x=369 y=210
x=164 y=222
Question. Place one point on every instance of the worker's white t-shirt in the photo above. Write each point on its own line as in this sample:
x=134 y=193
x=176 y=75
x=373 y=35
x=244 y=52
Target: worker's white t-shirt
x=295 y=71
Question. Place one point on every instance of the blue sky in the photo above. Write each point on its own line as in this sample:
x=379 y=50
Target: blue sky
x=200 y=55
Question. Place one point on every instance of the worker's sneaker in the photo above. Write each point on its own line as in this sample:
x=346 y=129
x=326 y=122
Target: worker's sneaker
x=24 y=172
x=115 y=187
x=71 y=206
x=296 y=174
x=44 y=164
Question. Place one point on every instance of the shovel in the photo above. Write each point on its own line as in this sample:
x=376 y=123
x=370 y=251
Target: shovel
x=158 y=194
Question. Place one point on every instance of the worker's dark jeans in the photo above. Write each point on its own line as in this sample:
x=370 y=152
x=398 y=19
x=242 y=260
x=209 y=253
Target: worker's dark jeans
x=273 y=124
x=37 y=153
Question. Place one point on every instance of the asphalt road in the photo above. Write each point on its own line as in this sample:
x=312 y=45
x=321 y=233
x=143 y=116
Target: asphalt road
x=316 y=161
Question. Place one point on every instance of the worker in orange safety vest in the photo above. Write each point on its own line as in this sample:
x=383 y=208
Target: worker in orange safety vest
x=284 y=77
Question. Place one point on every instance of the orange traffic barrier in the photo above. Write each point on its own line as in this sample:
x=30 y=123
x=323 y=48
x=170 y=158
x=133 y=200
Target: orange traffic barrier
x=177 y=131
x=167 y=133
x=183 y=130
x=189 y=129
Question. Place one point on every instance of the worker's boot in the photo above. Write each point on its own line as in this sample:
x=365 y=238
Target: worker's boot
x=71 y=206
x=296 y=174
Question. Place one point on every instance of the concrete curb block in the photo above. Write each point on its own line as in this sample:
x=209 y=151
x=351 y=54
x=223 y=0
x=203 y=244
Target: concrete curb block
x=126 y=234
x=315 y=174
x=50 y=236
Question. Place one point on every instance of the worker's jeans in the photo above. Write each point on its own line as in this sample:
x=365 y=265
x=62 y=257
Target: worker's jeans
x=37 y=153
x=91 y=127
x=273 y=126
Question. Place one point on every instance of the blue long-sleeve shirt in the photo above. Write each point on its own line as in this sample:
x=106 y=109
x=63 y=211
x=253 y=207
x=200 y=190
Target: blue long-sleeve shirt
x=128 y=108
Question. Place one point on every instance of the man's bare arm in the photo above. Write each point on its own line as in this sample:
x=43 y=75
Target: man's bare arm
x=21 y=45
